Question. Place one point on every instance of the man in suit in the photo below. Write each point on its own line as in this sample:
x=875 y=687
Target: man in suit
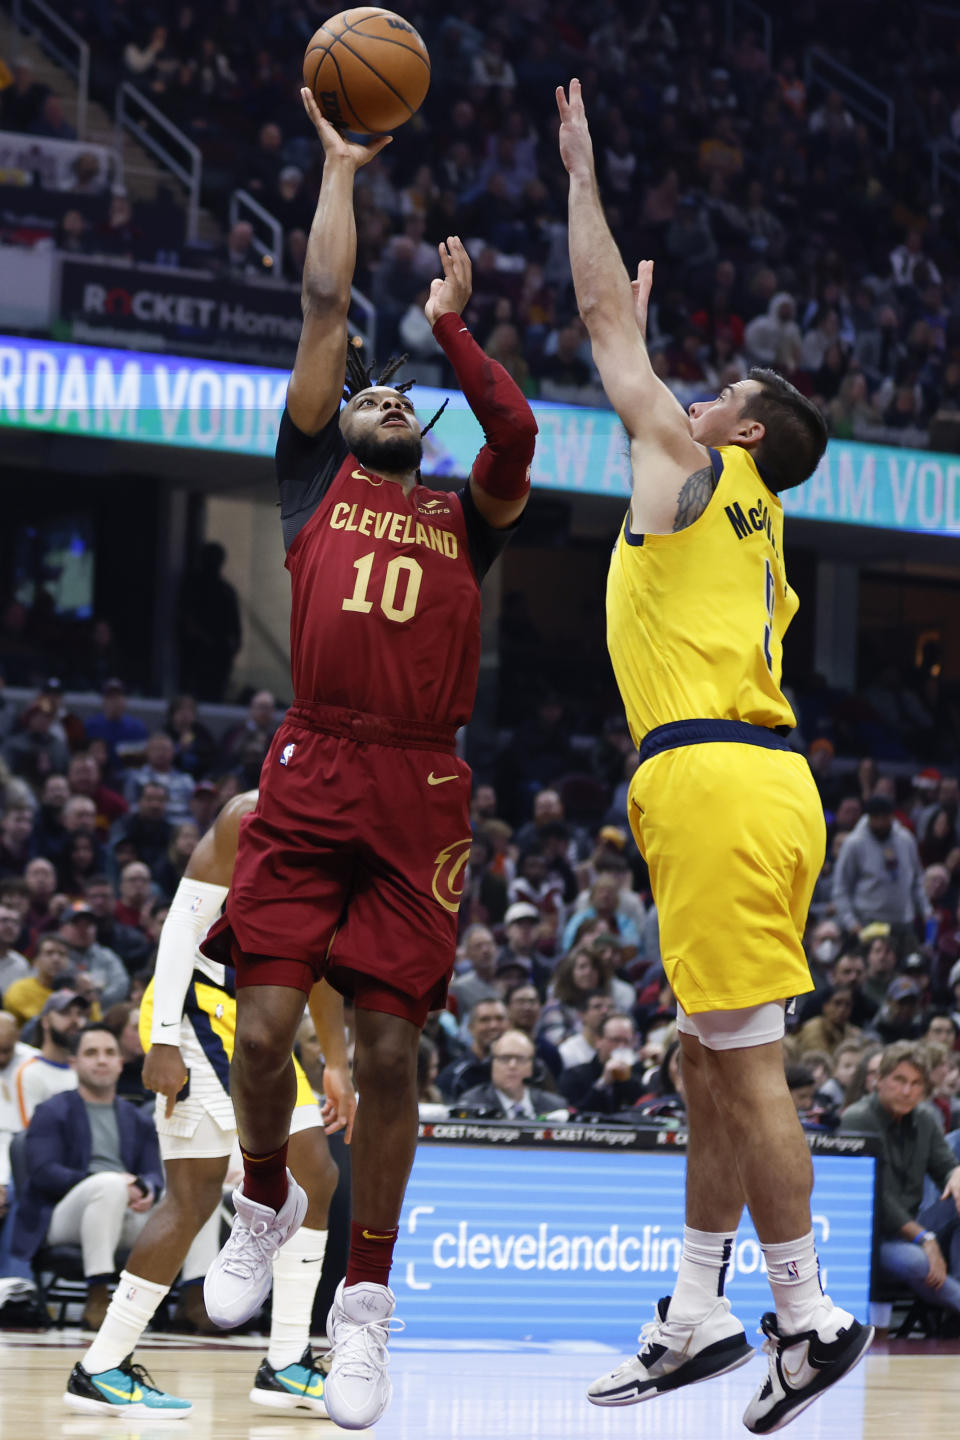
x=509 y=1096
x=95 y=1171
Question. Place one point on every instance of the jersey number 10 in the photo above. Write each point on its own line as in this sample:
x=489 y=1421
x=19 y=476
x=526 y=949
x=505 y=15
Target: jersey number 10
x=402 y=572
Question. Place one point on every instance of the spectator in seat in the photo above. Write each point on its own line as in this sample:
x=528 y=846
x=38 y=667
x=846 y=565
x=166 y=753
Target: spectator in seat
x=82 y=857
x=564 y=366
x=16 y=840
x=159 y=768
x=183 y=842
x=136 y=890
x=85 y=779
x=193 y=745
x=488 y=1020
x=881 y=961
x=521 y=924
x=256 y=729
x=95 y=1172
x=13 y=1053
x=477 y=981
x=127 y=941
x=33 y=752
x=579 y=1048
x=484 y=900
x=878 y=875
x=613 y=1079
x=204 y=805
x=918 y=1246
x=846 y=1058
x=606 y=903
x=123 y=1021
x=52 y=123
x=102 y=967
x=942 y=1029
x=20 y=102
x=122 y=733
x=944 y=1066
x=26 y=997
x=509 y=1095
x=48 y=832
x=523 y=1013
x=47 y=1071
x=147 y=828
x=833 y=1025
x=901 y=1017
x=15 y=896
x=13 y=965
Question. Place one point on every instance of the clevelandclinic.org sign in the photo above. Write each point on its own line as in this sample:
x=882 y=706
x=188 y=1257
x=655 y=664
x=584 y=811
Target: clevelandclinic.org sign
x=212 y=405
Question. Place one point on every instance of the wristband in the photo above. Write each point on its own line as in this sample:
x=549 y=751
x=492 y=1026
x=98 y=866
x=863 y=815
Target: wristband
x=923 y=1237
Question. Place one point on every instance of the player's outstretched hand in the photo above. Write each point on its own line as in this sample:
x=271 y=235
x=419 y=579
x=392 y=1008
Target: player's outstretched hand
x=450 y=295
x=576 y=147
x=165 y=1072
x=335 y=145
x=340 y=1103
x=641 y=288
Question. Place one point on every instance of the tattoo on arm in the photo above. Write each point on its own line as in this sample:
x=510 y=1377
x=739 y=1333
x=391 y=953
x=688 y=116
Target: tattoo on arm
x=694 y=497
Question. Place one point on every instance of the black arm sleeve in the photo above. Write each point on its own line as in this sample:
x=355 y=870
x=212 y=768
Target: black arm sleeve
x=486 y=543
x=306 y=467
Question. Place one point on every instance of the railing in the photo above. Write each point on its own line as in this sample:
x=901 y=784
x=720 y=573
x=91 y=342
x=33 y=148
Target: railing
x=867 y=101
x=151 y=129
x=745 y=15
x=244 y=207
x=944 y=166
x=62 y=44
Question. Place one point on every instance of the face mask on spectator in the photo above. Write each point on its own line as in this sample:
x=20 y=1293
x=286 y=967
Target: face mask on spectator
x=827 y=951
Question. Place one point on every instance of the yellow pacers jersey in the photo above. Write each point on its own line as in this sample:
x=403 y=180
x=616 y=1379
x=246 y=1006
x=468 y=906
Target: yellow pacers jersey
x=695 y=620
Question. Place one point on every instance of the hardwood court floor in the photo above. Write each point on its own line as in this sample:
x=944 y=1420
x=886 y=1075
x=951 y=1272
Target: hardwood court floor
x=479 y=1393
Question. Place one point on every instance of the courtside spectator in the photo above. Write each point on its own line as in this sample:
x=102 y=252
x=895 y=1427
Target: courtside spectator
x=95 y=1172
x=488 y=1020
x=613 y=1079
x=48 y=1071
x=509 y=1094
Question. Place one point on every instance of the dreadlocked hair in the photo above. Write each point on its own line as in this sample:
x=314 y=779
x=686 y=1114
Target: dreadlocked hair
x=360 y=377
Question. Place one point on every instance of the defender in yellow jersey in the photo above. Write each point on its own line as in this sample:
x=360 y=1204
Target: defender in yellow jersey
x=725 y=814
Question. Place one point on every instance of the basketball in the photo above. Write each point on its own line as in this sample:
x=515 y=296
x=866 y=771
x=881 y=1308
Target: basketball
x=368 y=69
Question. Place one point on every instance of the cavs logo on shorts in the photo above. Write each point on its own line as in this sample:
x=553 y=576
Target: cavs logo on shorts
x=448 y=877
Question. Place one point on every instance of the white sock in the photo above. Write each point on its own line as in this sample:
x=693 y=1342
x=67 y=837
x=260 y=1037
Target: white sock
x=132 y=1308
x=794 y=1274
x=296 y=1275
x=703 y=1271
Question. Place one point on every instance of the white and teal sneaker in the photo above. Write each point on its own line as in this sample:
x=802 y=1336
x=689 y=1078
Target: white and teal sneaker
x=127 y=1392
x=296 y=1387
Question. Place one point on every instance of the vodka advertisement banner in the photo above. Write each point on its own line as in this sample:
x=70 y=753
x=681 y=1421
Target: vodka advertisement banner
x=211 y=405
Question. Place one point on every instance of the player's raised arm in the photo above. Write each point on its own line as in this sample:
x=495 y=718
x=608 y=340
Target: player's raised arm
x=614 y=313
x=500 y=478
x=318 y=373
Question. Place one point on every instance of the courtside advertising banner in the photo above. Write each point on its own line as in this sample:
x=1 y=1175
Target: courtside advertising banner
x=551 y=1245
x=211 y=405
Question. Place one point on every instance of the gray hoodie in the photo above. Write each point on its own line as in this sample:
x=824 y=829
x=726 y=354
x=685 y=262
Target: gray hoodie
x=878 y=879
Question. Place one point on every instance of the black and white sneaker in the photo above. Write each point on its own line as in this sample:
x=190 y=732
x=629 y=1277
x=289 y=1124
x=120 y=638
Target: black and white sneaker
x=802 y=1366
x=673 y=1354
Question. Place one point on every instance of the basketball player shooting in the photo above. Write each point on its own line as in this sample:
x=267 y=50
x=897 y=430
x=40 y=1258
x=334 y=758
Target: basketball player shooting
x=725 y=814
x=187 y=1024
x=351 y=866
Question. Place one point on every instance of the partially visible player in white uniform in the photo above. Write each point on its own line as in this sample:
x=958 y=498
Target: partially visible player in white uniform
x=188 y=1023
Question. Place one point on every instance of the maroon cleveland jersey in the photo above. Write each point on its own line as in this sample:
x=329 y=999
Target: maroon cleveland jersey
x=386 y=586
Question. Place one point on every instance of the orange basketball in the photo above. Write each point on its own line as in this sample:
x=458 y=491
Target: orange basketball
x=368 y=69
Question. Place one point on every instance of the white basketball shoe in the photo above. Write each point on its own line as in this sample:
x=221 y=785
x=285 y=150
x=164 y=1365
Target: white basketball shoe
x=239 y=1280
x=802 y=1366
x=673 y=1354
x=358 y=1388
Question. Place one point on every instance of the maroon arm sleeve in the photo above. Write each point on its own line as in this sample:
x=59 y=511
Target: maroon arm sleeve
x=502 y=468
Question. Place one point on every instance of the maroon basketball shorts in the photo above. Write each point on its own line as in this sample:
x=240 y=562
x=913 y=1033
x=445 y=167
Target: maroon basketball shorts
x=352 y=865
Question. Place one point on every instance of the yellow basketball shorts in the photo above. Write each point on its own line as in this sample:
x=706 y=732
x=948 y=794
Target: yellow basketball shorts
x=734 y=839
x=206 y=1039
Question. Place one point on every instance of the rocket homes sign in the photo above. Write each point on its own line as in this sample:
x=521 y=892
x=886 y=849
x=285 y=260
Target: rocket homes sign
x=153 y=307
